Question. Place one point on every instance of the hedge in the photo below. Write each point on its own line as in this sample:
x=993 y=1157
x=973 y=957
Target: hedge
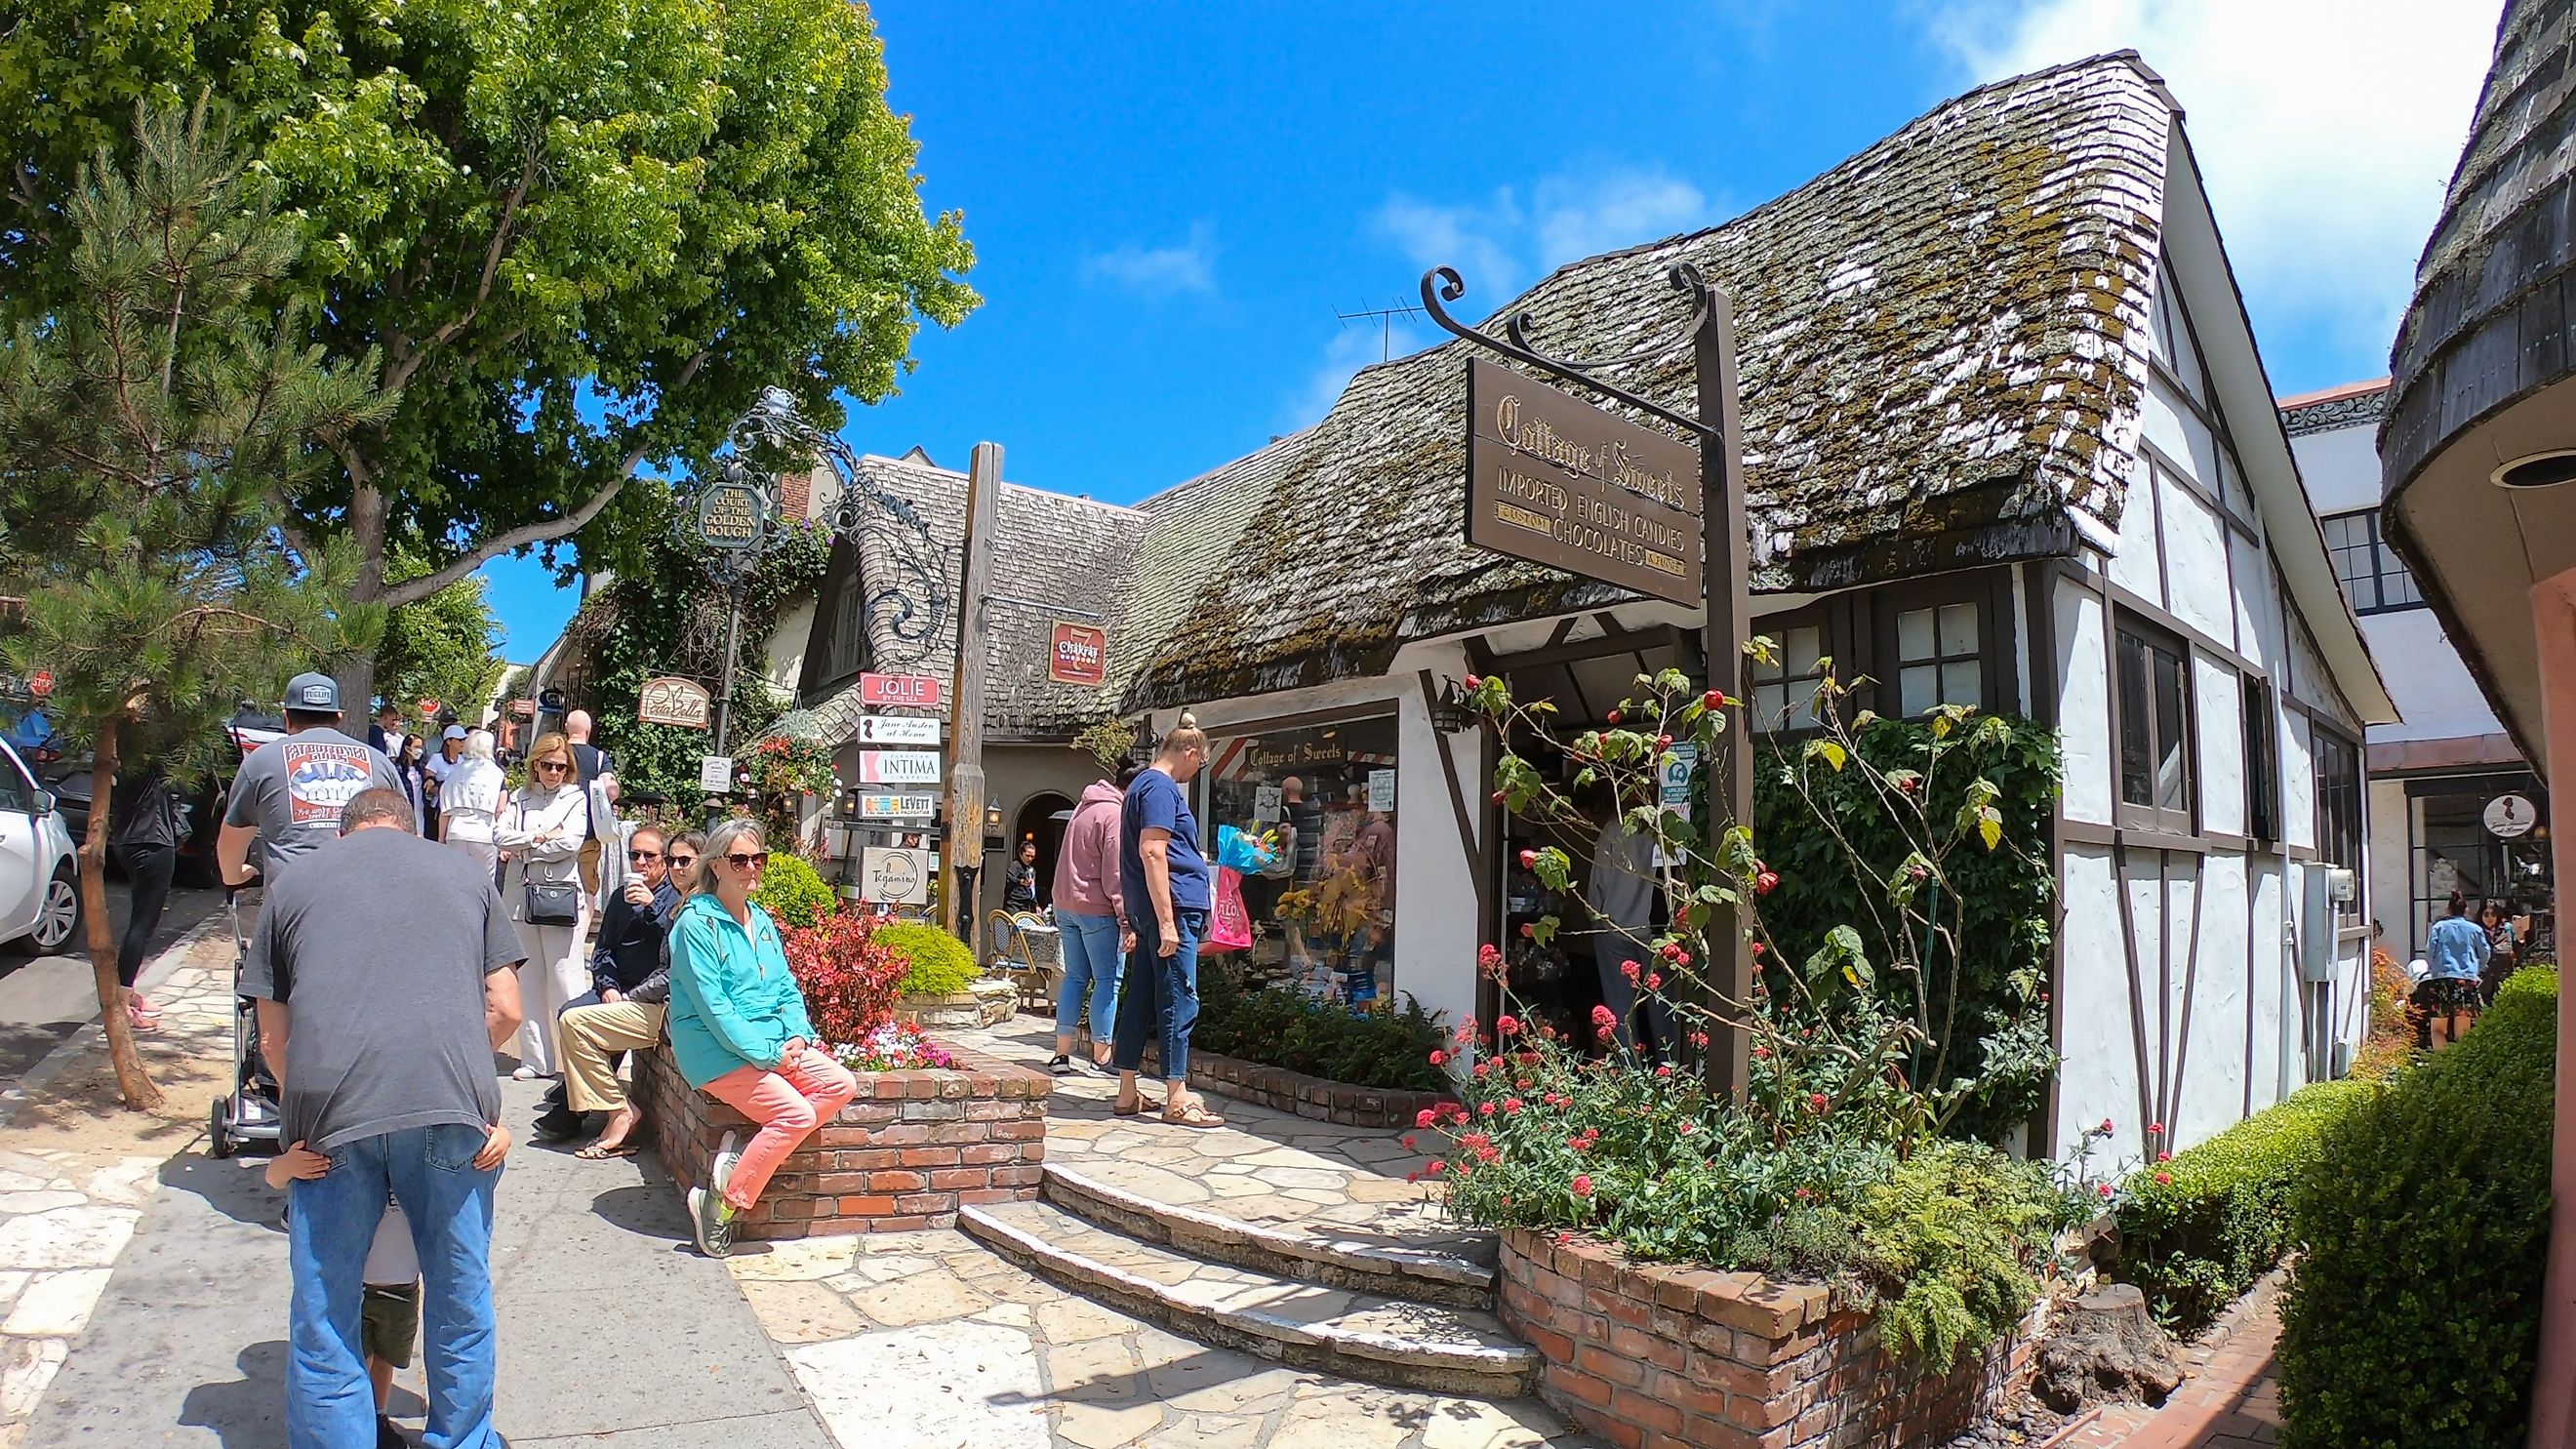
x=2195 y=1232
x=2414 y=1312
x=1376 y=1045
x=940 y=964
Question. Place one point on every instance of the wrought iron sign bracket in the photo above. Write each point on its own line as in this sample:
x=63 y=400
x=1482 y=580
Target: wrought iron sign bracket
x=1443 y=284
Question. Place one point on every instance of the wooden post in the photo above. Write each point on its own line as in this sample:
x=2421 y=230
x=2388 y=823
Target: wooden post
x=965 y=839
x=1729 y=776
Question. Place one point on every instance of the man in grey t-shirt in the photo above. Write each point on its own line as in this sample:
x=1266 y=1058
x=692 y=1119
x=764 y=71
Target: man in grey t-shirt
x=379 y=1011
x=289 y=792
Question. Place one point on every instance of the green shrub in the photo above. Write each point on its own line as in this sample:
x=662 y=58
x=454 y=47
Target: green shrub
x=2197 y=1231
x=2414 y=1311
x=1378 y=1046
x=940 y=963
x=792 y=893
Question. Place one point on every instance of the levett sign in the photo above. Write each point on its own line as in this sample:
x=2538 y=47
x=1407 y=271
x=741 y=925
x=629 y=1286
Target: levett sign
x=1557 y=481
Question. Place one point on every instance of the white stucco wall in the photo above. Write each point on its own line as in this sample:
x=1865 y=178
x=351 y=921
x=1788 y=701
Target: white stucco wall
x=2196 y=563
x=2392 y=865
x=2340 y=467
x=2100 y=1077
x=782 y=660
x=2084 y=705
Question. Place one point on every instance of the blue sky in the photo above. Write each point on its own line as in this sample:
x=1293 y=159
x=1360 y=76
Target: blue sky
x=1171 y=202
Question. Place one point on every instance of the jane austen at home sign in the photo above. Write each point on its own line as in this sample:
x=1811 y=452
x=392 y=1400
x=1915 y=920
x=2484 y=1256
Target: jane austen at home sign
x=1555 y=480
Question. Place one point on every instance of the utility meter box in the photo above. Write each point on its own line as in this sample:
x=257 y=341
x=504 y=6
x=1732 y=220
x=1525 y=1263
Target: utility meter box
x=2322 y=889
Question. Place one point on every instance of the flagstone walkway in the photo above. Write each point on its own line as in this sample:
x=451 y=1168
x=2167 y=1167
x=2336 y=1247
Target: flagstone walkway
x=1263 y=1166
x=926 y=1340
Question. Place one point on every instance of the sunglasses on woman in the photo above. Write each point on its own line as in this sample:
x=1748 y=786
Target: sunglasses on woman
x=753 y=861
x=683 y=862
x=552 y=765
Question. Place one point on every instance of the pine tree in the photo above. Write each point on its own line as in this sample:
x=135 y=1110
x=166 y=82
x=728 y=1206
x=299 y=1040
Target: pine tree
x=147 y=430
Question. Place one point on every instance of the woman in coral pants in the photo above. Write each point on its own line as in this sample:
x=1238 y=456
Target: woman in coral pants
x=739 y=1030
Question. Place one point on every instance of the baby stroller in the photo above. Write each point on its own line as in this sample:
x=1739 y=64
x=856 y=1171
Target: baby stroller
x=248 y=1114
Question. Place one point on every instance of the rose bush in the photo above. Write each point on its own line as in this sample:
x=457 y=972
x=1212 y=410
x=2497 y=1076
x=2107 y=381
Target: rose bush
x=849 y=977
x=1833 y=1164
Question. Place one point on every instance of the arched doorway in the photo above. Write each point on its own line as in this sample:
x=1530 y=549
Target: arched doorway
x=1042 y=818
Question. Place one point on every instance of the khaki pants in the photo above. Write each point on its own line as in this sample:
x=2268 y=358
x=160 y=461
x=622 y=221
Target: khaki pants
x=592 y=1037
x=590 y=852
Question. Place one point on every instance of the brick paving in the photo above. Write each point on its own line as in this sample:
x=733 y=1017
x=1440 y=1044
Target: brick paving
x=2232 y=1400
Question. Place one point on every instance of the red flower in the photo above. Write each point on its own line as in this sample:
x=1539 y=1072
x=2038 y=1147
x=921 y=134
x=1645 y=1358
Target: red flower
x=1688 y=1127
x=1414 y=1176
x=1803 y=1194
x=1654 y=981
x=1439 y=1058
x=1583 y=1184
x=1612 y=717
x=1665 y=1070
x=1699 y=1039
x=1663 y=742
x=1631 y=970
x=2164 y=1179
x=1672 y=951
x=1714 y=699
x=2104 y=1189
x=1485 y=1109
x=1526 y=932
x=2106 y=1126
x=1498 y=797
x=1681 y=958
x=1529 y=858
x=1473 y=682
x=1425 y=1118
x=1757 y=955
x=1512 y=1106
x=2164 y=1157
x=1816 y=1101
x=2155 y=1129
x=1604 y=1021
x=1437 y=1167
x=1767 y=882
x=1507 y=1024
x=1760 y=1053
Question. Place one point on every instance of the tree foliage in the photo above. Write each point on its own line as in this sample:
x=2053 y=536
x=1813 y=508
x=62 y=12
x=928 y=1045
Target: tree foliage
x=146 y=428
x=582 y=235
x=440 y=647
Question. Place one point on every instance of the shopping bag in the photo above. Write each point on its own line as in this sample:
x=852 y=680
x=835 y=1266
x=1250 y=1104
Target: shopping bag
x=1230 y=925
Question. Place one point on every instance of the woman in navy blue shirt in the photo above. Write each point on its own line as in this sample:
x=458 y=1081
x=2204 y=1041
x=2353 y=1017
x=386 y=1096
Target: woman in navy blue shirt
x=1168 y=890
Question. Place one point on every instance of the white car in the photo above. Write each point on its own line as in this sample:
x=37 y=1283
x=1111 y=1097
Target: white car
x=39 y=876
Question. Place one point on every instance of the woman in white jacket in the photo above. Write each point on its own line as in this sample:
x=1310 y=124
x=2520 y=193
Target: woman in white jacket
x=543 y=830
x=471 y=800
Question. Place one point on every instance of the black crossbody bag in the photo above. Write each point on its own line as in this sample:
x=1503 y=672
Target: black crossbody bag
x=549 y=902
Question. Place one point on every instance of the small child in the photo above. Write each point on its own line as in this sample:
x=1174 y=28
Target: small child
x=389 y=1314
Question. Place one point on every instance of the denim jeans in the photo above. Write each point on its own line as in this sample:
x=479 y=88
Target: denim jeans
x=431 y=1172
x=1090 y=945
x=1160 y=990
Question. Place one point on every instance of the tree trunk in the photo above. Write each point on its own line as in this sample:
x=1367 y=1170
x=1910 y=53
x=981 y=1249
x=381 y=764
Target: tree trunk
x=356 y=674
x=131 y=1079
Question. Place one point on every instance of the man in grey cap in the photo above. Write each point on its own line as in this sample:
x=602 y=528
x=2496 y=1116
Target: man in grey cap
x=290 y=790
x=451 y=750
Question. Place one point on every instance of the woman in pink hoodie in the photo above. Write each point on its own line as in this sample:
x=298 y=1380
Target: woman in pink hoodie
x=1092 y=921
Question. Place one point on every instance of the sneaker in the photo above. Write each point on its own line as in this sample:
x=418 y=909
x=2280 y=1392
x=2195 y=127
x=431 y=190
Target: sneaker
x=561 y=1125
x=389 y=1437
x=720 y=1171
x=712 y=1219
x=1060 y=1064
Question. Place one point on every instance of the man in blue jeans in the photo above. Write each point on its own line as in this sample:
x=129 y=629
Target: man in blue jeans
x=1168 y=891
x=379 y=1011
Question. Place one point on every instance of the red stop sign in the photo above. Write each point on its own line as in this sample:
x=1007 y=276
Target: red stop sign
x=41 y=683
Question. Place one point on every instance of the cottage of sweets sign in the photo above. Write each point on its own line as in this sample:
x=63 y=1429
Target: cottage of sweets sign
x=1557 y=481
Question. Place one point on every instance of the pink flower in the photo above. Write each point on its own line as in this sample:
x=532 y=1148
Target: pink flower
x=1765 y=883
x=1507 y=1024
x=1438 y=1167
x=1699 y=1039
x=1512 y=1106
x=2155 y=1129
x=1604 y=1020
x=2106 y=1126
x=1654 y=981
x=2164 y=1157
x=1583 y=1184
x=1757 y=955
x=1688 y=1127
x=1485 y=1110
x=1665 y=1070
x=2104 y=1189
x=1528 y=858
x=1472 y=682
x=1439 y=1058
x=2164 y=1179
x=1425 y=1118
x=1760 y=1053
x=1630 y=969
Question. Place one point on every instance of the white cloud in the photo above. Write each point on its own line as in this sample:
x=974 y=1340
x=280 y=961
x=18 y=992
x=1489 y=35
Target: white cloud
x=1502 y=243
x=1160 y=271
x=2326 y=130
x=1356 y=345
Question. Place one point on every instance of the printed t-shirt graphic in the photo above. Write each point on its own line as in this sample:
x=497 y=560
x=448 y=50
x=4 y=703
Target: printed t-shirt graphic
x=321 y=778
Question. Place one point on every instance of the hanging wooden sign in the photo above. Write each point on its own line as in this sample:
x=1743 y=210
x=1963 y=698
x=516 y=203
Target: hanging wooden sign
x=671 y=700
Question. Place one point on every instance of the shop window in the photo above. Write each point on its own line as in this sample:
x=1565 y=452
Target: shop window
x=1939 y=658
x=2338 y=795
x=2155 y=725
x=2262 y=760
x=2373 y=577
x=1784 y=690
x=1323 y=913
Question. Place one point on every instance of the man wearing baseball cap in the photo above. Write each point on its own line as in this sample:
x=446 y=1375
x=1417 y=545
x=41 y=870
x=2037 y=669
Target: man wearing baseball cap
x=290 y=790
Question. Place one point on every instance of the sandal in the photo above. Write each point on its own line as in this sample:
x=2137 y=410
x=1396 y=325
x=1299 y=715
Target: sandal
x=142 y=1020
x=1193 y=1115
x=602 y=1152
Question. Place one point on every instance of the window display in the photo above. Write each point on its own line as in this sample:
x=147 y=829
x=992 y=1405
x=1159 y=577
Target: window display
x=1323 y=913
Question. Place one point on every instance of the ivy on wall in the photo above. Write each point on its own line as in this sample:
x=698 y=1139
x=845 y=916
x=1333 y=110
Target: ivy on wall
x=2009 y=894
x=668 y=618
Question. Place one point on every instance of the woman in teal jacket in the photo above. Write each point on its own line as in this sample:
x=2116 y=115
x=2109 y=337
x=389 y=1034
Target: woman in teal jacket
x=739 y=1031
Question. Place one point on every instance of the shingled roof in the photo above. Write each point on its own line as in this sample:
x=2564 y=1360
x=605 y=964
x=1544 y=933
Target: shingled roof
x=1942 y=343
x=1054 y=556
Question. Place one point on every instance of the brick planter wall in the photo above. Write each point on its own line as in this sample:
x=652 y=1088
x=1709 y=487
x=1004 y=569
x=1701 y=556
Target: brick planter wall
x=1651 y=1356
x=910 y=1150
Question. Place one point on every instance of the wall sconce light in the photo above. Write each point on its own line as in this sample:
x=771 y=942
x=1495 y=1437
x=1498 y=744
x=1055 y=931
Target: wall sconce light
x=1452 y=712
x=992 y=827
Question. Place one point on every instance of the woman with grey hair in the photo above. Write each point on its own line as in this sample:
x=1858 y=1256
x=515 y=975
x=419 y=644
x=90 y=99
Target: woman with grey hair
x=471 y=800
x=739 y=1031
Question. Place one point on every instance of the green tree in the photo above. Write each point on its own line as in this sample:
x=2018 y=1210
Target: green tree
x=584 y=235
x=440 y=647
x=162 y=410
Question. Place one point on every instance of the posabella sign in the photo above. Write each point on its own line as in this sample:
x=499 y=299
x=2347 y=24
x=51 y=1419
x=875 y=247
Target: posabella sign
x=1079 y=655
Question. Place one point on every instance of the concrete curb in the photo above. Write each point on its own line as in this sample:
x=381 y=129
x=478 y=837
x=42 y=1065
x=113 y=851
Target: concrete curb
x=90 y=1034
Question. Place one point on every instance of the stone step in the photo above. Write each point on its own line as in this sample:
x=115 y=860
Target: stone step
x=1460 y=1277
x=1305 y=1325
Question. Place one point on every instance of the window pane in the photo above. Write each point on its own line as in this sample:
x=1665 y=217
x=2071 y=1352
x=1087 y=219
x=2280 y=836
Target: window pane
x=1770 y=670
x=1914 y=634
x=2136 y=780
x=1768 y=702
x=1919 y=688
x=1803 y=707
x=1806 y=647
x=1958 y=630
x=1963 y=682
x=2172 y=734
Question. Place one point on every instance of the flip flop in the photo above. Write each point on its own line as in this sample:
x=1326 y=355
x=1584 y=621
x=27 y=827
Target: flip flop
x=593 y=1152
x=1193 y=1115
